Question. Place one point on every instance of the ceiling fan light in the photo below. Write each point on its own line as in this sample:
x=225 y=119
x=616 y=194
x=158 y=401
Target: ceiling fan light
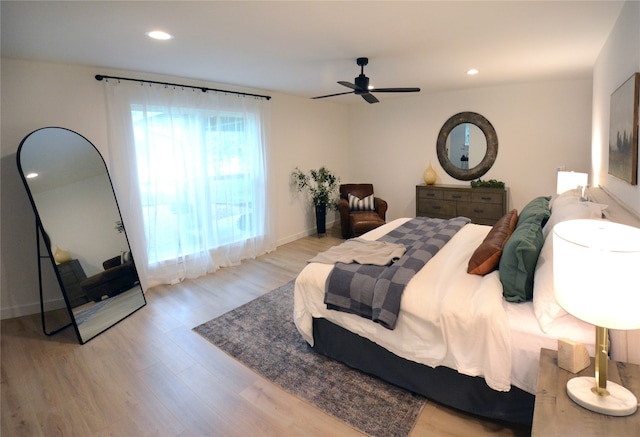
x=472 y=72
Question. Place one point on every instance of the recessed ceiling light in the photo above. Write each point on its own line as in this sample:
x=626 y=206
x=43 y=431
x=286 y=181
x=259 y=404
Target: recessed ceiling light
x=472 y=72
x=32 y=175
x=159 y=34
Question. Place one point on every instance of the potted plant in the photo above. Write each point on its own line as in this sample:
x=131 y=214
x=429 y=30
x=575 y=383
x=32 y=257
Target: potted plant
x=323 y=187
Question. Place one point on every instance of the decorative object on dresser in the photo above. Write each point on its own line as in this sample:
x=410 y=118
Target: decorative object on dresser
x=61 y=255
x=429 y=175
x=482 y=205
x=360 y=211
x=555 y=415
x=467 y=146
x=322 y=185
x=595 y=280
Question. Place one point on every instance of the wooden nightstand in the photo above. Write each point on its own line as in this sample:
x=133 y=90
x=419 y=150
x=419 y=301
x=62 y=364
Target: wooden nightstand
x=557 y=415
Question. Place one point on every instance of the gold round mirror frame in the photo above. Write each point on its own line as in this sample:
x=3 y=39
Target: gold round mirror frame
x=492 y=146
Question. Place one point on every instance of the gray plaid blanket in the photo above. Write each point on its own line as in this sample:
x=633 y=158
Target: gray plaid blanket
x=374 y=292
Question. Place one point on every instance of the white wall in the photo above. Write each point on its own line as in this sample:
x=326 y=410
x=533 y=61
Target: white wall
x=86 y=206
x=304 y=133
x=618 y=60
x=540 y=126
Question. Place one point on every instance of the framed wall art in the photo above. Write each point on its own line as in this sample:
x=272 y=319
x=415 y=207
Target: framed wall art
x=623 y=131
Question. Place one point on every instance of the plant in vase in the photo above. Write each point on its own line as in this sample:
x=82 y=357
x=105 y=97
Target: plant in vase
x=322 y=185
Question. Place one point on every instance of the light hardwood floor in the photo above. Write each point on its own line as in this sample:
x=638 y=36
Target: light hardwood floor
x=151 y=375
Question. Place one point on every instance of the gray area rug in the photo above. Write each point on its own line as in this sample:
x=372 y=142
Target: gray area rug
x=261 y=334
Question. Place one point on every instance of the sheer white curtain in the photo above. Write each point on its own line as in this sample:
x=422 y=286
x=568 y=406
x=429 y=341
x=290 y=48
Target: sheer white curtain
x=190 y=172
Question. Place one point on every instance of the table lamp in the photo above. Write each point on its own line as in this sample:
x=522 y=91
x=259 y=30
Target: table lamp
x=595 y=267
x=569 y=180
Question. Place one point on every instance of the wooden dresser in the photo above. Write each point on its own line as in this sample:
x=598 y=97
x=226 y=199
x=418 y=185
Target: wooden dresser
x=482 y=205
x=72 y=275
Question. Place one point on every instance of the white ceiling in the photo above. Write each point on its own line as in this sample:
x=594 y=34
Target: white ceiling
x=304 y=47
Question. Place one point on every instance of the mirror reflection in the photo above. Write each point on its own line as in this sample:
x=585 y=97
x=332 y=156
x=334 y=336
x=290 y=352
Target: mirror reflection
x=70 y=190
x=466 y=146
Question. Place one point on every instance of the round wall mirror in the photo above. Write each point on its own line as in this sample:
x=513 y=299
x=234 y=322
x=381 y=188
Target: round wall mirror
x=467 y=146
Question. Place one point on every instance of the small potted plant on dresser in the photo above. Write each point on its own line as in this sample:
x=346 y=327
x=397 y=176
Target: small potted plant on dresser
x=323 y=186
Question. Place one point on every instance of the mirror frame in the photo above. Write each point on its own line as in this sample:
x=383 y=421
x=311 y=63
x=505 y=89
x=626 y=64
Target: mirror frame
x=492 y=146
x=49 y=251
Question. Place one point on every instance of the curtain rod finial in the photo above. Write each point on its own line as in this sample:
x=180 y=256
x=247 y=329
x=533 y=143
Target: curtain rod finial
x=99 y=77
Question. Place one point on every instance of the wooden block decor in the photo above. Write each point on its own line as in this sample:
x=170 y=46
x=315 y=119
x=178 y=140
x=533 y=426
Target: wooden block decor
x=572 y=356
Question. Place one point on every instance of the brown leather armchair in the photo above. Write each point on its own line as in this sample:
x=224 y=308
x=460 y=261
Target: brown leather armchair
x=356 y=223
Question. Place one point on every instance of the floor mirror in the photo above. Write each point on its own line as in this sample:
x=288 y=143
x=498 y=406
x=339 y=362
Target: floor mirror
x=78 y=219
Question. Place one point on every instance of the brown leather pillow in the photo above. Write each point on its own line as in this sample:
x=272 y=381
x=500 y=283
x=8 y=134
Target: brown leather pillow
x=486 y=257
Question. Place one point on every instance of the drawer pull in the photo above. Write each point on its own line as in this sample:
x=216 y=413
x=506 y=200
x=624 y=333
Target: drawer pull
x=436 y=207
x=478 y=211
x=457 y=196
x=430 y=194
x=486 y=198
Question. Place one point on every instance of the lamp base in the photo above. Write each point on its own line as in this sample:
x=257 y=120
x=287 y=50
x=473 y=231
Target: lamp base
x=619 y=402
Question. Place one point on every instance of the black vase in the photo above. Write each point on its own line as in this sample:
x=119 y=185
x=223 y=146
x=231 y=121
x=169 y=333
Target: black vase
x=321 y=219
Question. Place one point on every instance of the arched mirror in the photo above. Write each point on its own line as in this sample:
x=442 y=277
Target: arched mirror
x=78 y=217
x=467 y=146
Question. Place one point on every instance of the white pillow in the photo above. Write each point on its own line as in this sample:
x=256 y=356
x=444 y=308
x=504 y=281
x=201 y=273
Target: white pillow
x=545 y=306
x=567 y=209
x=570 y=196
x=364 y=204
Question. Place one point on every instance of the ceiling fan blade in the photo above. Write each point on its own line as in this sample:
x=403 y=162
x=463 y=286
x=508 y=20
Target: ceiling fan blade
x=332 y=95
x=349 y=85
x=370 y=98
x=395 y=90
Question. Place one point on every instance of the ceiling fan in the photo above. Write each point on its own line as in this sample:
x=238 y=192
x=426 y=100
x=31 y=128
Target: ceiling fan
x=361 y=86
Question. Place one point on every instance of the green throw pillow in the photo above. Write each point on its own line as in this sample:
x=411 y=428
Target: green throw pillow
x=519 y=259
x=538 y=209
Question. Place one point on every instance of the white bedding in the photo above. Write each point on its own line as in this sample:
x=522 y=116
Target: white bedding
x=447 y=317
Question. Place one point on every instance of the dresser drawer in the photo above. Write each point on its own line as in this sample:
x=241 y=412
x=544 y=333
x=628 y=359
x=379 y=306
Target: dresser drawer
x=486 y=197
x=480 y=210
x=437 y=208
x=459 y=196
x=426 y=193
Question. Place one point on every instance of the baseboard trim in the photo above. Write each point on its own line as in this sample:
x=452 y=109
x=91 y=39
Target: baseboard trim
x=32 y=308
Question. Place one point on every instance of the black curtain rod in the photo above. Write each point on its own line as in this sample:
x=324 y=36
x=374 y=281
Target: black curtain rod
x=203 y=89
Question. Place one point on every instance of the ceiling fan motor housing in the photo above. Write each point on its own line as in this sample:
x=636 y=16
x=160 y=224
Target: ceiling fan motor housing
x=362 y=84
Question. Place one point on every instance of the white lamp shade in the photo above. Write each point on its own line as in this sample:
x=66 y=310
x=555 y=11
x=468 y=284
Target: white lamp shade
x=569 y=180
x=596 y=268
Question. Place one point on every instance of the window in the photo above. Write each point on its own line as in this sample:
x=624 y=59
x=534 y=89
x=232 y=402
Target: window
x=198 y=179
x=190 y=173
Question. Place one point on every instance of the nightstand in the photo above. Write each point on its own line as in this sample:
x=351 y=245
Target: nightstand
x=557 y=415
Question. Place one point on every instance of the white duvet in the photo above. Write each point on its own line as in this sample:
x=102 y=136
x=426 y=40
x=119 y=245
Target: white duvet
x=447 y=317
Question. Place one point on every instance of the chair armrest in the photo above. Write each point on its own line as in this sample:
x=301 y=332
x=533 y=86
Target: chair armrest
x=343 y=209
x=381 y=207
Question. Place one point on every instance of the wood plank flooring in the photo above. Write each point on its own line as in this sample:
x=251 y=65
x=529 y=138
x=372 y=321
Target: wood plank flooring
x=151 y=375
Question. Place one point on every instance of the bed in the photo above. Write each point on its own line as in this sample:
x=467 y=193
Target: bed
x=468 y=341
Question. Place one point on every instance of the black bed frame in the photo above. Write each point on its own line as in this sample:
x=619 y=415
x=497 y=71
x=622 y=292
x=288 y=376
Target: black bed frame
x=441 y=384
